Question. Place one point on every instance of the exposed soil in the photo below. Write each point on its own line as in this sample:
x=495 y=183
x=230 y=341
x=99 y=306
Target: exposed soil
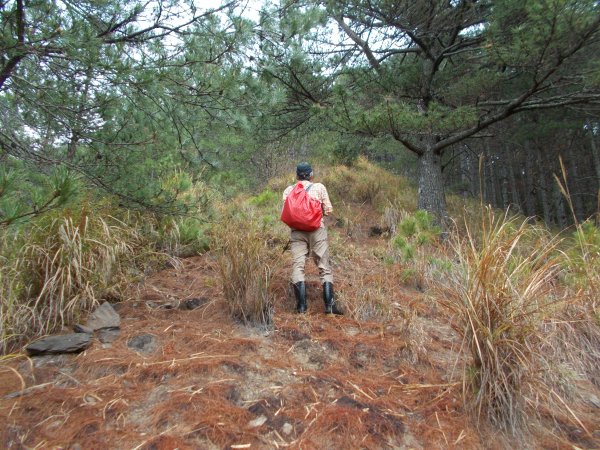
x=198 y=380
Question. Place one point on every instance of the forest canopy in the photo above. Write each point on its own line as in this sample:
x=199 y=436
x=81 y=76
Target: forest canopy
x=142 y=100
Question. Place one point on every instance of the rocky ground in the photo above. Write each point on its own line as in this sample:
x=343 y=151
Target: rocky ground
x=180 y=374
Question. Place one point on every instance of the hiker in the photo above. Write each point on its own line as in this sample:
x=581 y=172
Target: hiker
x=305 y=243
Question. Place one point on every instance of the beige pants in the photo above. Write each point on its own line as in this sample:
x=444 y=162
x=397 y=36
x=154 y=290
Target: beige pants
x=310 y=243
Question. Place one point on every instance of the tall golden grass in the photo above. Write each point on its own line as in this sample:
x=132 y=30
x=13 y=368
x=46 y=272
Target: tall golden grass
x=579 y=323
x=500 y=294
x=58 y=267
x=579 y=330
x=245 y=242
x=366 y=183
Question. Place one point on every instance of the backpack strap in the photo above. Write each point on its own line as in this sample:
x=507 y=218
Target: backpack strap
x=308 y=188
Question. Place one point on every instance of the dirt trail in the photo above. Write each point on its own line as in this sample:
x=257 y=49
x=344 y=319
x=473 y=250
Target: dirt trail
x=201 y=381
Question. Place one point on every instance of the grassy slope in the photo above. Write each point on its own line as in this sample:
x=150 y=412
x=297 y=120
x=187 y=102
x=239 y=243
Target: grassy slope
x=385 y=376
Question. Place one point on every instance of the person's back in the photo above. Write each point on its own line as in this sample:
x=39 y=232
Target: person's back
x=305 y=205
x=315 y=243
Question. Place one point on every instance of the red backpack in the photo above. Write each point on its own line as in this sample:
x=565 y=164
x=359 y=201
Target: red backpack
x=301 y=211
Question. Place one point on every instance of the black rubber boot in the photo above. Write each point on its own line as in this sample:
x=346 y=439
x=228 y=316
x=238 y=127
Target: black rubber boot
x=330 y=305
x=300 y=291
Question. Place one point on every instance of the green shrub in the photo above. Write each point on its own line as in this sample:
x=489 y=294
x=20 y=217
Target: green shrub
x=364 y=182
x=269 y=221
x=388 y=261
x=583 y=257
x=408 y=227
x=265 y=199
x=25 y=193
x=426 y=238
x=182 y=237
x=408 y=274
x=581 y=330
x=404 y=247
x=414 y=232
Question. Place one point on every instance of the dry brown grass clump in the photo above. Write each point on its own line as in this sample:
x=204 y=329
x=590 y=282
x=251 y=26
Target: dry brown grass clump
x=248 y=257
x=575 y=344
x=366 y=183
x=500 y=295
x=57 y=269
x=579 y=324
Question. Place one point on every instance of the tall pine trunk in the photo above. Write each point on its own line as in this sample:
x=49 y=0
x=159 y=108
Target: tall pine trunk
x=595 y=152
x=431 y=187
x=559 y=206
x=530 y=194
x=504 y=183
x=574 y=183
x=543 y=183
x=514 y=190
x=466 y=173
x=490 y=178
x=596 y=159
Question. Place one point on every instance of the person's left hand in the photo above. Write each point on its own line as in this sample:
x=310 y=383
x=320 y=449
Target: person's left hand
x=329 y=220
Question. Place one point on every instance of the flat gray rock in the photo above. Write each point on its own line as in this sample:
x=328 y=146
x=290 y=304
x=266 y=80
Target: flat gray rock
x=108 y=335
x=259 y=421
x=78 y=328
x=104 y=316
x=51 y=360
x=145 y=343
x=66 y=343
x=165 y=305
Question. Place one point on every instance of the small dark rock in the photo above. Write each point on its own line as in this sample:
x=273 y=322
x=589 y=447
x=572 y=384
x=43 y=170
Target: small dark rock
x=350 y=403
x=193 y=303
x=233 y=394
x=78 y=328
x=378 y=231
x=67 y=343
x=108 y=335
x=153 y=305
x=145 y=343
x=51 y=361
x=113 y=296
x=104 y=317
x=259 y=408
x=293 y=334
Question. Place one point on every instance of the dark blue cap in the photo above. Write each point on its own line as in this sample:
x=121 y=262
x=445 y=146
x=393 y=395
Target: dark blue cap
x=303 y=169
